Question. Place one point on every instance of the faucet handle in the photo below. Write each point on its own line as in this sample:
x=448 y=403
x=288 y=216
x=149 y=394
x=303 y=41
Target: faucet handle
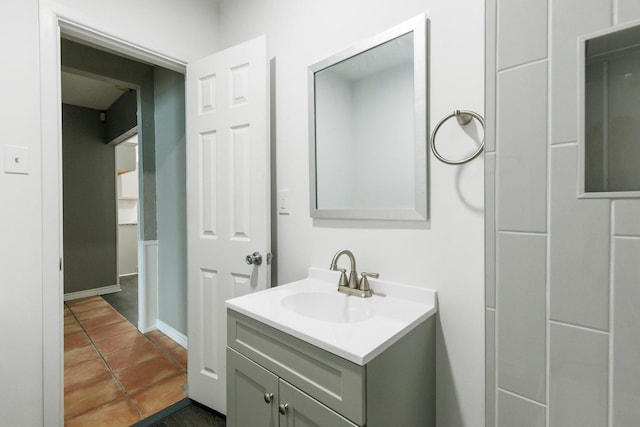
x=364 y=282
x=343 y=276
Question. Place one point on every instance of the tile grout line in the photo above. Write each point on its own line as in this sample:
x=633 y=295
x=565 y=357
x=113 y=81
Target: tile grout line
x=126 y=392
x=528 y=399
x=156 y=344
x=166 y=353
x=547 y=261
x=563 y=144
x=524 y=233
x=495 y=122
x=611 y=254
x=583 y=328
x=624 y=236
x=113 y=375
x=522 y=65
x=611 y=313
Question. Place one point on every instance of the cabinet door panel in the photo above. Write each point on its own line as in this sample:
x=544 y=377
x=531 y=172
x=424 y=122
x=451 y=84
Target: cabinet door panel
x=304 y=411
x=247 y=385
x=330 y=379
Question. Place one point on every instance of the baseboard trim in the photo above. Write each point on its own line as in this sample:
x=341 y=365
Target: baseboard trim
x=178 y=337
x=147 y=285
x=92 y=292
x=128 y=274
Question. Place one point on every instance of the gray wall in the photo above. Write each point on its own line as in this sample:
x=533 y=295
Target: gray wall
x=122 y=115
x=171 y=198
x=562 y=274
x=160 y=103
x=88 y=60
x=89 y=203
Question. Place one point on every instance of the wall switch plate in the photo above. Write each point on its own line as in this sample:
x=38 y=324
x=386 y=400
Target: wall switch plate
x=284 y=202
x=16 y=159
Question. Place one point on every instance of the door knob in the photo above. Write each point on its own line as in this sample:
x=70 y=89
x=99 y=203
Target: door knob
x=283 y=408
x=255 y=259
x=268 y=397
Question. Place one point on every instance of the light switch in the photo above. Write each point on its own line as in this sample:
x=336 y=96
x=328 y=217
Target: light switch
x=284 y=203
x=16 y=159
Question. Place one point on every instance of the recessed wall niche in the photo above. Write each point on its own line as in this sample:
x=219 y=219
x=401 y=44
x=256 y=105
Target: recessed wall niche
x=610 y=113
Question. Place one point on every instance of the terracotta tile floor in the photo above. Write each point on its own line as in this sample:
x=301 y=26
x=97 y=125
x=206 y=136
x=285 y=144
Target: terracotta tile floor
x=114 y=375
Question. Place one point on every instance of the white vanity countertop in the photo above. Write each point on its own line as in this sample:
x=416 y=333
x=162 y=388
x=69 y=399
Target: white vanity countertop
x=357 y=329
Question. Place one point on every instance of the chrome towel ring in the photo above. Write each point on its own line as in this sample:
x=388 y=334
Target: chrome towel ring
x=463 y=118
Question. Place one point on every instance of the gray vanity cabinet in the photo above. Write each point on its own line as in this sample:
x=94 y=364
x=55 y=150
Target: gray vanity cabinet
x=268 y=369
x=303 y=410
x=256 y=397
x=252 y=393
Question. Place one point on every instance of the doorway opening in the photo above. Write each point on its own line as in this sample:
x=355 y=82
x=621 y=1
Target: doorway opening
x=131 y=363
x=127 y=200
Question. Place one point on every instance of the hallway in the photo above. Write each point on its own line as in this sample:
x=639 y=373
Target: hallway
x=114 y=375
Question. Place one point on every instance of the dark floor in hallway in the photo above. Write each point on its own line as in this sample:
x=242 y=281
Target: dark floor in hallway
x=185 y=413
x=126 y=301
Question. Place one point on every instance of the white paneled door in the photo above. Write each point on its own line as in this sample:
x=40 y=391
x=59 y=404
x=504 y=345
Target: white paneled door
x=228 y=202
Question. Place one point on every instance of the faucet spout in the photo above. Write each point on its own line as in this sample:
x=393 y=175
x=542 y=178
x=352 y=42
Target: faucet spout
x=353 y=275
x=334 y=261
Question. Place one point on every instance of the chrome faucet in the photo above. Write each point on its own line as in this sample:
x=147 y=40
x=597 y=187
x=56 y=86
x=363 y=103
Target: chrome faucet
x=353 y=275
x=351 y=286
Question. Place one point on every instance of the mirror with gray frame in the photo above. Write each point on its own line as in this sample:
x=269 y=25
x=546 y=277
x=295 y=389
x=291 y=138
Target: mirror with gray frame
x=368 y=128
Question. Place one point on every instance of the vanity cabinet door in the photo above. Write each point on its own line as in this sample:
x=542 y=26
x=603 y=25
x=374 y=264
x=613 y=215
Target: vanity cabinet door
x=252 y=393
x=298 y=409
x=330 y=379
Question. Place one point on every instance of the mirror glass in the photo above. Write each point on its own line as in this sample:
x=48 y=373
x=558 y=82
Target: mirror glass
x=368 y=129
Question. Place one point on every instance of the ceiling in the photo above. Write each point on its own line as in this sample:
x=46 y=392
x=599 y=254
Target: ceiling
x=90 y=93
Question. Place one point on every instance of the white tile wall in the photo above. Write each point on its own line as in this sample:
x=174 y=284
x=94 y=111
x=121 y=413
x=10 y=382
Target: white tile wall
x=490 y=360
x=490 y=229
x=579 y=241
x=628 y=10
x=626 y=337
x=523 y=32
x=570 y=19
x=515 y=411
x=522 y=314
x=578 y=377
x=579 y=274
x=626 y=218
x=490 y=77
x=522 y=144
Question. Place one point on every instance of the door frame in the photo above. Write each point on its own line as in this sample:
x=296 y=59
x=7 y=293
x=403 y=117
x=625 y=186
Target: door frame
x=122 y=139
x=54 y=21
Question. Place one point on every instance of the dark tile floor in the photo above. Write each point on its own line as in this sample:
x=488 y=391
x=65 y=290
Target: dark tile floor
x=126 y=301
x=185 y=413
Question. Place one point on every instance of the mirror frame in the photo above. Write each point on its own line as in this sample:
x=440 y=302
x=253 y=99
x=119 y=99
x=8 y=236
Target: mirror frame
x=418 y=26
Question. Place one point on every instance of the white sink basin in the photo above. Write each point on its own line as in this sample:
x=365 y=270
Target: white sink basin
x=329 y=307
x=355 y=328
